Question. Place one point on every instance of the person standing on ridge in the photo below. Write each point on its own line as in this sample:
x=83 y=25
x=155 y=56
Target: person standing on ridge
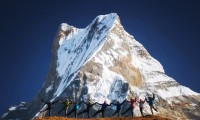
x=103 y=107
x=141 y=106
x=150 y=101
x=131 y=107
x=66 y=104
x=118 y=109
x=76 y=107
x=49 y=106
x=89 y=105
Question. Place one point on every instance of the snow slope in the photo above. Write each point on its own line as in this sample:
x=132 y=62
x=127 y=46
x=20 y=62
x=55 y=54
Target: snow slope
x=75 y=49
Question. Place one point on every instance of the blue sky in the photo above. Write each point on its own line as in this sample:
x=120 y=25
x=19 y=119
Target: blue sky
x=169 y=30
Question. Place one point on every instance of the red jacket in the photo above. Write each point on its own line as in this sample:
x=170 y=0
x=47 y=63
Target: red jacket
x=133 y=102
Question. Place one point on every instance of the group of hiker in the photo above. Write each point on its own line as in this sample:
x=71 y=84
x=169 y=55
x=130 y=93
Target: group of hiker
x=132 y=104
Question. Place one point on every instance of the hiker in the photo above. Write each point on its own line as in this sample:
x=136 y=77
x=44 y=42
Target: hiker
x=150 y=101
x=49 y=106
x=131 y=107
x=141 y=106
x=76 y=107
x=102 y=110
x=67 y=103
x=89 y=105
x=118 y=109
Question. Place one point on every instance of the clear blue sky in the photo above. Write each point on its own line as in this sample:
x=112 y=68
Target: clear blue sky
x=169 y=30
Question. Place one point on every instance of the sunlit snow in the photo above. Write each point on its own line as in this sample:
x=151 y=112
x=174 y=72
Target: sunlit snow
x=12 y=108
x=75 y=50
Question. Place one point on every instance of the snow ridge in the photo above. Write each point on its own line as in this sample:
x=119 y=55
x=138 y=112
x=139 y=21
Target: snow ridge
x=75 y=50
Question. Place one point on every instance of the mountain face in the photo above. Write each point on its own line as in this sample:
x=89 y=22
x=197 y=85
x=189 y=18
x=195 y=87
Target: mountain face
x=102 y=62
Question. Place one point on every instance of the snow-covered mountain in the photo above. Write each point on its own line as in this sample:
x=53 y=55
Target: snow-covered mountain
x=103 y=62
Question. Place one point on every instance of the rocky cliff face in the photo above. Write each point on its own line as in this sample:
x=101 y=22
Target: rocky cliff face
x=102 y=62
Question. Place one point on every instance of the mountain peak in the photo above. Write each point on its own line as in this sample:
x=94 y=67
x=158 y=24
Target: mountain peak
x=107 y=16
x=105 y=20
x=111 y=17
x=103 y=62
x=66 y=31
